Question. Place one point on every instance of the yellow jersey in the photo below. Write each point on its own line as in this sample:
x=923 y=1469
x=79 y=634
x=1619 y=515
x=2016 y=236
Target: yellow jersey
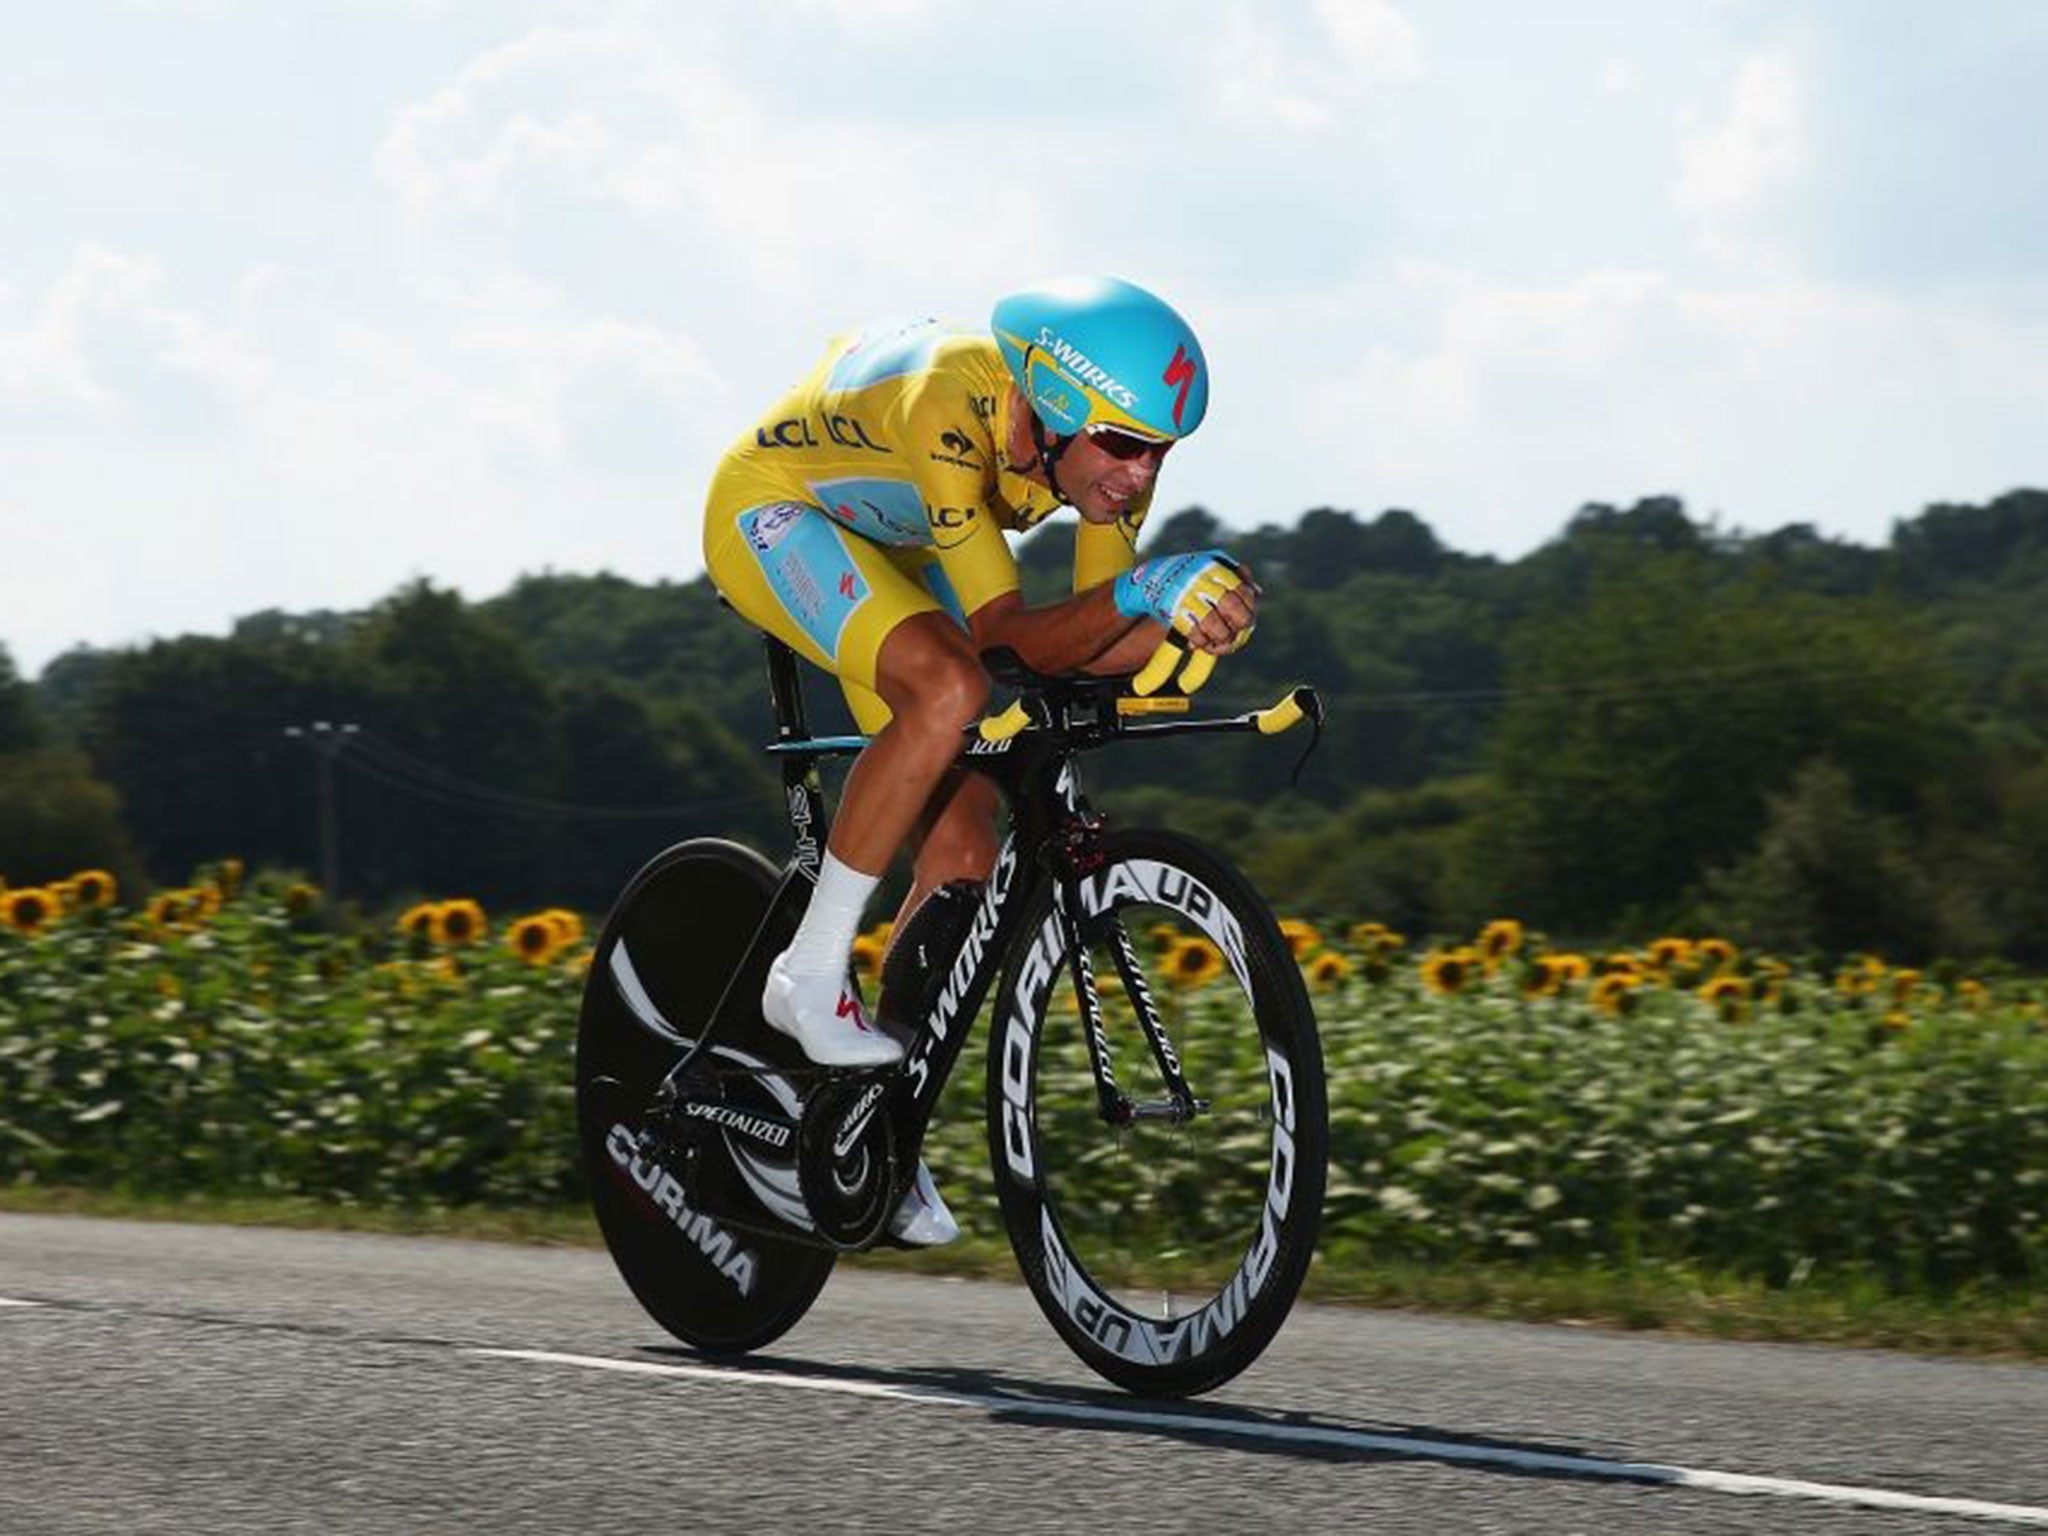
x=898 y=436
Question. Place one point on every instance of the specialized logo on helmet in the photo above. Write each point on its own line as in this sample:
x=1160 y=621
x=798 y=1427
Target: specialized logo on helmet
x=1096 y=377
x=1179 y=375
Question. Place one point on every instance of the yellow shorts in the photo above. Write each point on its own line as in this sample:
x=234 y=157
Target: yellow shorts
x=831 y=595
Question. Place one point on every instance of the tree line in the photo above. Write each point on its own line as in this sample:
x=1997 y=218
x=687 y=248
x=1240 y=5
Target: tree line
x=1649 y=721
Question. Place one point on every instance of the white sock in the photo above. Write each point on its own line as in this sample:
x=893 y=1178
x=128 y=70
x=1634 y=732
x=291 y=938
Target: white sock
x=825 y=937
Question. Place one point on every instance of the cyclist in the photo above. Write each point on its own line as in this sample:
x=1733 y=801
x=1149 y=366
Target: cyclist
x=862 y=520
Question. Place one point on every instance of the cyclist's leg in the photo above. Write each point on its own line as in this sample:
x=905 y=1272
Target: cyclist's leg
x=953 y=837
x=844 y=604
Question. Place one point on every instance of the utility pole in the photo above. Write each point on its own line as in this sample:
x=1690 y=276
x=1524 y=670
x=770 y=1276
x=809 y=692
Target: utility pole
x=327 y=740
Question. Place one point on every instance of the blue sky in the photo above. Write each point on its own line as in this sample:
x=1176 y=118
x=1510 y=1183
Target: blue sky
x=301 y=300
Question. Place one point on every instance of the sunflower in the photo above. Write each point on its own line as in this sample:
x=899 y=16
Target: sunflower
x=1729 y=995
x=1855 y=984
x=300 y=898
x=66 y=892
x=1905 y=984
x=1571 y=968
x=95 y=888
x=533 y=939
x=1715 y=952
x=867 y=955
x=28 y=909
x=460 y=921
x=1542 y=977
x=1619 y=963
x=1328 y=970
x=1499 y=939
x=1670 y=952
x=1615 y=993
x=1448 y=970
x=416 y=922
x=1193 y=963
x=1973 y=994
x=1376 y=938
x=568 y=925
x=1162 y=936
x=1725 y=989
x=227 y=877
x=166 y=909
x=183 y=909
x=1301 y=937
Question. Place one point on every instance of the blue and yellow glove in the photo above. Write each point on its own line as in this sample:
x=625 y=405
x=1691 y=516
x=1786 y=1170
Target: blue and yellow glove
x=1178 y=591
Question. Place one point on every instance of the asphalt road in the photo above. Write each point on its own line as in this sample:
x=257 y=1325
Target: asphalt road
x=205 y=1379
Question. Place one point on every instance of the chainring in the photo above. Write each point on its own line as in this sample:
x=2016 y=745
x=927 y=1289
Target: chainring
x=846 y=1158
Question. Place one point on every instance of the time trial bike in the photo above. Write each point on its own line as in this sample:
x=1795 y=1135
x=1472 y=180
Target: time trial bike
x=1157 y=1123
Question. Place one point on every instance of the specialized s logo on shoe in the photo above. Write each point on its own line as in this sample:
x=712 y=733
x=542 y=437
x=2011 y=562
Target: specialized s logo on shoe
x=849 y=1007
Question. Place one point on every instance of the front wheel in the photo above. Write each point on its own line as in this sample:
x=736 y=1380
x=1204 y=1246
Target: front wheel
x=1166 y=1238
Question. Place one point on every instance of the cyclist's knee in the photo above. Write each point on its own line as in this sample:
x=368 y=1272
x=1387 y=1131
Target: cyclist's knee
x=958 y=693
x=931 y=679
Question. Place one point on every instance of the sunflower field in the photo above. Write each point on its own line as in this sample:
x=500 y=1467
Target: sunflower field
x=1495 y=1098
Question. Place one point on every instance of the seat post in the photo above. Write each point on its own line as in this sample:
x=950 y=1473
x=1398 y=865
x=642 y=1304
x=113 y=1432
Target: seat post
x=785 y=690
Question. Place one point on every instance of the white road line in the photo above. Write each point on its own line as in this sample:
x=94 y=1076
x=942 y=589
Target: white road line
x=1310 y=1434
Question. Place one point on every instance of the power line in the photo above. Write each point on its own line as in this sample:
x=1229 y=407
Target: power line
x=395 y=768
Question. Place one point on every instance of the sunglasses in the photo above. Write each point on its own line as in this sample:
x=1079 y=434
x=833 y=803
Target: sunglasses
x=1119 y=444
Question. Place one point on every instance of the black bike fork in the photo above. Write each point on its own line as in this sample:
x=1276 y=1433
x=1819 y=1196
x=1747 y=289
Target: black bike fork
x=1079 y=854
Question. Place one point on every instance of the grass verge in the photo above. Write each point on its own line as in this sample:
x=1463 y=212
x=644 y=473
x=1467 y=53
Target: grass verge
x=2004 y=1324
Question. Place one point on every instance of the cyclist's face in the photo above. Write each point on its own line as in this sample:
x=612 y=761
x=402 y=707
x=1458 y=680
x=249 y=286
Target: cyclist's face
x=1105 y=477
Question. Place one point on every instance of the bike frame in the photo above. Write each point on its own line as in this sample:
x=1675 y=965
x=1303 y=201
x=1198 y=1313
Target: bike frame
x=1052 y=836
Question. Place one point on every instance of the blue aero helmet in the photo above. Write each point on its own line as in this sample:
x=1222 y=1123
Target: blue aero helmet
x=1092 y=352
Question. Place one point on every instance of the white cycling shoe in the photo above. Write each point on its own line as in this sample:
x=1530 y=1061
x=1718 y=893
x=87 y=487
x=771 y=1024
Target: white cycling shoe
x=922 y=1220
x=823 y=1015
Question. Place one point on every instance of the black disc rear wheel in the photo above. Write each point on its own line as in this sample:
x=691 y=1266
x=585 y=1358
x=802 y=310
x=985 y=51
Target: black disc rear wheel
x=676 y=936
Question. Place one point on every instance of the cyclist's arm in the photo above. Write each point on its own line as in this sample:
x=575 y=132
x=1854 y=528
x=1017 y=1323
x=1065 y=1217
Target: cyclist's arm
x=1082 y=633
x=1104 y=551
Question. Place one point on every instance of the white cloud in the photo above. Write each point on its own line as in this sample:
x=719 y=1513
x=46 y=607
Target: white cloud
x=106 y=333
x=1773 y=401
x=1262 y=74
x=1496 y=408
x=1373 y=37
x=465 y=147
x=505 y=312
x=1732 y=174
x=657 y=122
x=1619 y=76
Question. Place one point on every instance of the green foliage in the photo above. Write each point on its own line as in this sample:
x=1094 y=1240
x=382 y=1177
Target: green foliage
x=1897 y=1131
x=1646 y=730
x=262 y=1054
x=2004 y=542
x=56 y=818
x=1610 y=715
x=1828 y=875
x=21 y=724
